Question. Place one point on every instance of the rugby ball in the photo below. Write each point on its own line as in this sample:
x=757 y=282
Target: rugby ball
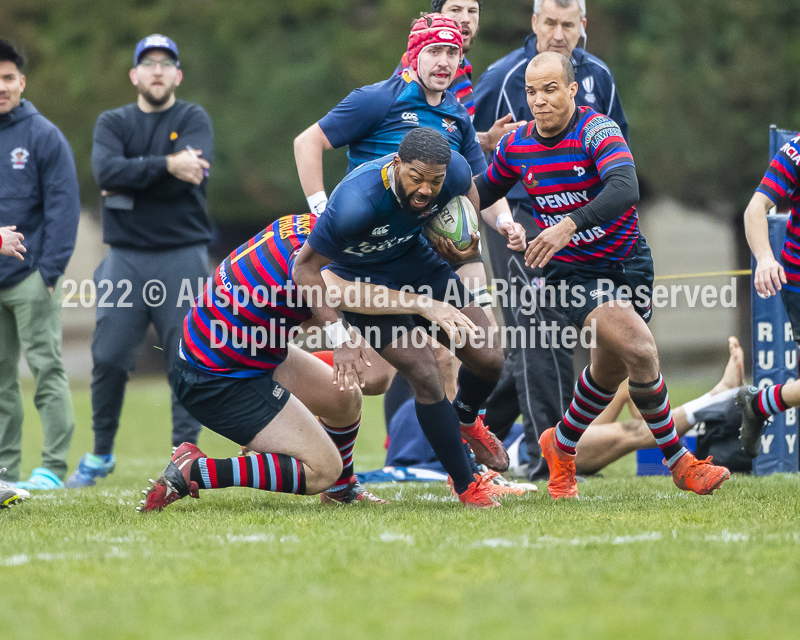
x=457 y=221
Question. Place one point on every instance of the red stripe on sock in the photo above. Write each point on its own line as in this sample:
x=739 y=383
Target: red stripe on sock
x=779 y=400
x=262 y=474
x=212 y=473
x=242 y=460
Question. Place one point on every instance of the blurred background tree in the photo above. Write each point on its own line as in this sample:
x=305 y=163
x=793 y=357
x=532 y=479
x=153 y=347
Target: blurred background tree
x=701 y=80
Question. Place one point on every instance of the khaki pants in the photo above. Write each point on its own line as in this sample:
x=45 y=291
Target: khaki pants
x=30 y=322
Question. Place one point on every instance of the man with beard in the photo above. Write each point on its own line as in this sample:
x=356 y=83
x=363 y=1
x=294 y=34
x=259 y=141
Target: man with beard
x=371 y=229
x=151 y=160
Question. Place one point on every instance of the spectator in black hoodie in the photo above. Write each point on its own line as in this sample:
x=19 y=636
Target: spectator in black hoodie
x=38 y=199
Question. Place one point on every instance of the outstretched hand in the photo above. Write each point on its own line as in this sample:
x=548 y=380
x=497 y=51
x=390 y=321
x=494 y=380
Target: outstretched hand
x=349 y=360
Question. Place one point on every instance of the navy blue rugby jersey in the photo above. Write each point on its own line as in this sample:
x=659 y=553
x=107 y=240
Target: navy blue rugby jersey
x=373 y=121
x=363 y=222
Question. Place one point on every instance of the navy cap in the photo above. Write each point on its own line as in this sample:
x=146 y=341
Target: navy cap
x=155 y=41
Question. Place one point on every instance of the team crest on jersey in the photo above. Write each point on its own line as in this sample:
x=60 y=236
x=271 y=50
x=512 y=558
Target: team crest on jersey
x=19 y=158
x=529 y=179
x=449 y=124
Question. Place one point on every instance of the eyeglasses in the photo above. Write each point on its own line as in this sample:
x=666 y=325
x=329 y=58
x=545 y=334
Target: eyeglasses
x=167 y=63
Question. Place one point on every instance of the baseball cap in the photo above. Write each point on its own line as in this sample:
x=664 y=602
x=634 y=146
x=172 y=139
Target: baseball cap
x=155 y=41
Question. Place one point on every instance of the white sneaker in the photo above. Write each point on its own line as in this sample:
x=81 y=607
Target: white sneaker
x=9 y=494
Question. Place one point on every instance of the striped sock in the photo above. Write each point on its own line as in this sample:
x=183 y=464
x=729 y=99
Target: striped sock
x=265 y=471
x=345 y=439
x=652 y=401
x=589 y=401
x=769 y=402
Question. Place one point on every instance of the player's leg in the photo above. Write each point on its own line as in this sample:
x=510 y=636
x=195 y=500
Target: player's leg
x=293 y=454
x=310 y=380
x=11 y=409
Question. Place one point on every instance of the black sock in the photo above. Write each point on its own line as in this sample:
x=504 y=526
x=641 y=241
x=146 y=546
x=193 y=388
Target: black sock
x=439 y=423
x=472 y=394
x=397 y=394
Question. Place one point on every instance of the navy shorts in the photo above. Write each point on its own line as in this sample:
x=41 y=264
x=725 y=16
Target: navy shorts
x=235 y=408
x=588 y=287
x=420 y=269
x=791 y=302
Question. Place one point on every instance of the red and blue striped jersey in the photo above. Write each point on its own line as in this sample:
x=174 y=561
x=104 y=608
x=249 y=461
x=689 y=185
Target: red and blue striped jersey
x=565 y=173
x=241 y=322
x=779 y=184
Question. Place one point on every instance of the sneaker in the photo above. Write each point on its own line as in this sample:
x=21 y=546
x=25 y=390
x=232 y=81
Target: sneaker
x=752 y=425
x=41 y=480
x=488 y=449
x=175 y=482
x=89 y=469
x=563 y=483
x=353 y=491
x=11 y=495
x=699 y=476
x=498 y=486
x=477 y=495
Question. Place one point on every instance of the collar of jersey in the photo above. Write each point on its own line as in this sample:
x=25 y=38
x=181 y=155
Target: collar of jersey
x=387 y=173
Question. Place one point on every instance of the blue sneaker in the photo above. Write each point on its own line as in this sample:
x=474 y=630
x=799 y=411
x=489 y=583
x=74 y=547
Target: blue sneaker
x=89 y=469
x=41 y=480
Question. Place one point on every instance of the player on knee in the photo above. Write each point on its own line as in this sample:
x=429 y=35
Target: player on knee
x=779 y=184
x=394 y=196
x=593 y=252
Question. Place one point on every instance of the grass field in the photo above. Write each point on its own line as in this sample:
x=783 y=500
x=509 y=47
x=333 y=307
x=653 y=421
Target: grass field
x=634 y=558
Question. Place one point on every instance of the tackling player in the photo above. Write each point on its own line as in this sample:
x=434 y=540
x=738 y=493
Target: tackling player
x=779 y=184
x=239 y=376
x=371 y=229
x=579 y=173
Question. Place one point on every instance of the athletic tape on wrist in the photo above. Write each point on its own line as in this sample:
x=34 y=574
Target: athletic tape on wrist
x=503 y=218
x=317 y=202
x=337 y=334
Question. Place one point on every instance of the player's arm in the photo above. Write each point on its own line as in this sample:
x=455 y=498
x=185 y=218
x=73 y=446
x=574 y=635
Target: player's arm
x=379 y=300
x=308 y=149
x=499 y=217
x=348 y=356
x=769 y=273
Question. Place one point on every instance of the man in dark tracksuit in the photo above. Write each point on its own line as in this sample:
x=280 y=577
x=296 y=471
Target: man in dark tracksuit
x=151 y=160
x=536 y=381
x=39 y=196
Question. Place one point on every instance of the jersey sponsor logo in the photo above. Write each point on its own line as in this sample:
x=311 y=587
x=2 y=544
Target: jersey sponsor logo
x=19 y=158
x=380 y=231
x=583 y=237
x=449 y=124
x=410 y=117
x=579 y=170
x=566 y=199
x=365 y=248
x=598 y=131
x=529 y=180
x=788 y=149
x=286 y=226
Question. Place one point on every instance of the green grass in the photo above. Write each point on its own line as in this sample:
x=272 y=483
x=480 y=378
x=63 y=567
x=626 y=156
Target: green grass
x=634 y=558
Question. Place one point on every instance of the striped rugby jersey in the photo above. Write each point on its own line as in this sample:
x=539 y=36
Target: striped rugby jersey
x=779 y=184
x=225 y=341
x=563 y=174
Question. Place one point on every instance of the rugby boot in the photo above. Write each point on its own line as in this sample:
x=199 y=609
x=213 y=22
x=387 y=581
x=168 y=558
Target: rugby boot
x=499 y=487
x=752 y=425
x=353 y=491
x=11 y=495
x=477 y=495
x=699 y=476
x=563 y=483
x=487 y=448
x=175 y=482
x=89 y=469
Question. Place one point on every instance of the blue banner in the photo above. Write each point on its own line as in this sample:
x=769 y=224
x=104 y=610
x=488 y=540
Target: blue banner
x=774 y=362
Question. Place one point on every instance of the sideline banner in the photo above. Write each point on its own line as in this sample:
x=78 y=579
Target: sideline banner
x=774 y=361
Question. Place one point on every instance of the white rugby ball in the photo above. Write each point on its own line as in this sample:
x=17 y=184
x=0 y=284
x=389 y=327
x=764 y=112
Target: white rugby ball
x=457 y=221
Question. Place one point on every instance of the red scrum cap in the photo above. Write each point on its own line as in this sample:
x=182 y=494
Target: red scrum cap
x=432 y=29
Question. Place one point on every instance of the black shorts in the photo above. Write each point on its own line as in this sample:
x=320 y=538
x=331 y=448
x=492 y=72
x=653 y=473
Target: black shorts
x=235 y=408
x=589 y=287
x=791 y=302
x=421 y=270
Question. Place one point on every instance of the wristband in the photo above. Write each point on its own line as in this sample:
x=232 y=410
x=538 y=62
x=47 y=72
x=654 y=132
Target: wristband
x=503 y=218
x=317 y=202
x=337 y=334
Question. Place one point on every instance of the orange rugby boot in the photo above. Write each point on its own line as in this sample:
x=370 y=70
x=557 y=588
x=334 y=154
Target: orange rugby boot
x=699 y=476
x=487 y=448
x=563 y=483
x=477 y=495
